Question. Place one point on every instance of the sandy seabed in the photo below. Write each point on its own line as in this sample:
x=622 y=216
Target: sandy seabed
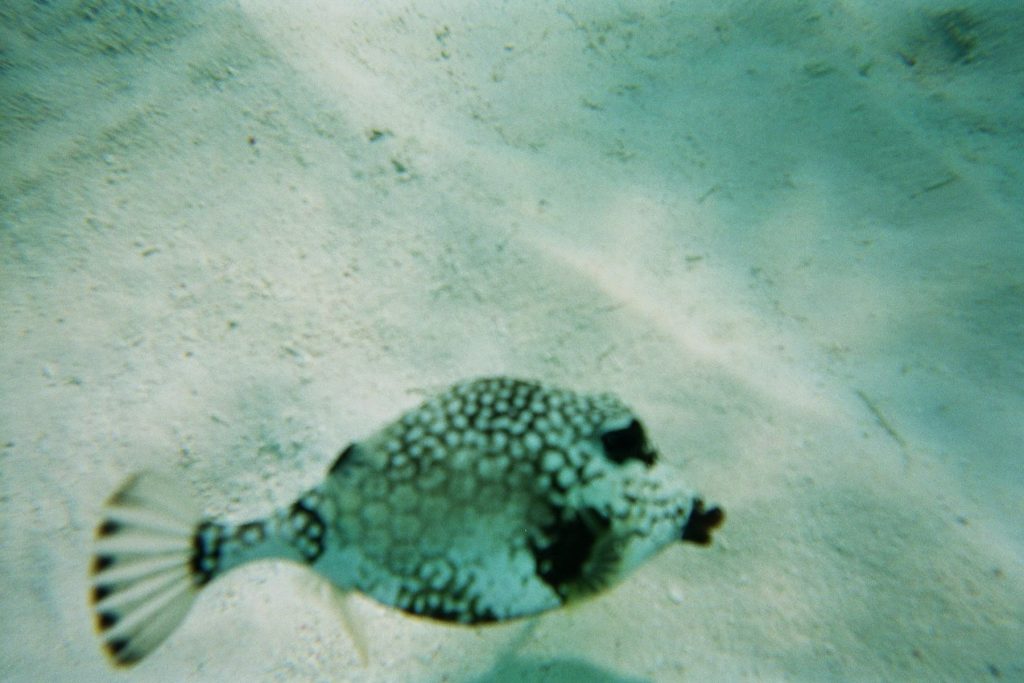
x=235 y=236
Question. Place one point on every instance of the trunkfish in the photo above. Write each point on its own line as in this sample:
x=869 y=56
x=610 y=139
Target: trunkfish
x=498 y=498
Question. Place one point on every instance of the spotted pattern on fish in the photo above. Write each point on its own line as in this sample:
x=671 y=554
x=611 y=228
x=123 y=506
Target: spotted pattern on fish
x=495 y=499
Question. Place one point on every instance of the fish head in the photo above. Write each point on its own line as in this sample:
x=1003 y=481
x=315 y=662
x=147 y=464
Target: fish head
x=624 y=506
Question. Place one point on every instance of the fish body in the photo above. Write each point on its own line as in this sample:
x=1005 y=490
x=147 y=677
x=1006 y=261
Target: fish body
x=495 y=499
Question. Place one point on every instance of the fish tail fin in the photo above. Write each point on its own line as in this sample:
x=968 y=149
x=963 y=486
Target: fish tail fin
x=153 y=554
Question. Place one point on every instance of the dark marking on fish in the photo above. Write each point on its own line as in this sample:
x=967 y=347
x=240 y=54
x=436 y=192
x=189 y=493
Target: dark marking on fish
x=702 y=522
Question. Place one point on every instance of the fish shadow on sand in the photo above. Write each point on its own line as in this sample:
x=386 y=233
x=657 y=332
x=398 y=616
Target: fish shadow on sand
x=511 y=669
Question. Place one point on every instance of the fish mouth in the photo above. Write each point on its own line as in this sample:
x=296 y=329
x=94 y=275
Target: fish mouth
x=701 y=523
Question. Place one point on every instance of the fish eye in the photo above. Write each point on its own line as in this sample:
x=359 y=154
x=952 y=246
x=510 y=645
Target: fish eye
x=628 y=443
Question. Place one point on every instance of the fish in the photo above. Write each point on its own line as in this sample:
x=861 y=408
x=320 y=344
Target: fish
x=495 y=499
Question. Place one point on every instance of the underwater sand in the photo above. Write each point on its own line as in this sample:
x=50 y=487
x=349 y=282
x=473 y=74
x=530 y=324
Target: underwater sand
x=235 y=236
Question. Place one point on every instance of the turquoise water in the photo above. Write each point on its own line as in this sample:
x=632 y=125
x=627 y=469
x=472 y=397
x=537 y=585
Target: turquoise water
x=236 y=236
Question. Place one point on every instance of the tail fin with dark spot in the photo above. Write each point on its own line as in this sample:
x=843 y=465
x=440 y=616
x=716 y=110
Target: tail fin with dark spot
x=148 y=567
